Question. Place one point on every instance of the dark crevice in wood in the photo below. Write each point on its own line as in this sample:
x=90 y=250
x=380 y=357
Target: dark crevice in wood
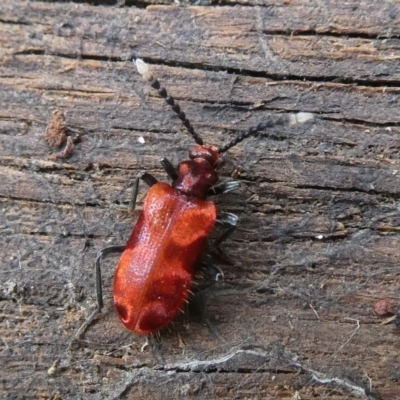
x=230 y=71
x=213 y=370
x=88 y=2
x=314 y=33
x=56 y=203
x=31 y=52
x=354 y=121
x=333 y=189
x=19 y=22
x=117 y=3
x=207 y=370
x=273 y=77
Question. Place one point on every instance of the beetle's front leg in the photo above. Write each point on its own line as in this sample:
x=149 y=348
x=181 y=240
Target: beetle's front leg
x=169 y=168
x=146 y=178
x=225 y=187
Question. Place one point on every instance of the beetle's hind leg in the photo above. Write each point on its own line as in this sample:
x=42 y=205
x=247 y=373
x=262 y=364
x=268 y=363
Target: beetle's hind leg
x=209 y=274
x=99 y=291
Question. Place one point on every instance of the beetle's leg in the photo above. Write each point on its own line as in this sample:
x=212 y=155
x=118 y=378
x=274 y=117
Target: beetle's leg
x=99 y=291
x=230 y=221
x=223 y=188
x=213 y=251
x=169 y=168
x=207 y=275
x=105 y=252
x=145 y=177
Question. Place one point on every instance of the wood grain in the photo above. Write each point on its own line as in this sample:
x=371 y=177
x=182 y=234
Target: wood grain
x=318 y=242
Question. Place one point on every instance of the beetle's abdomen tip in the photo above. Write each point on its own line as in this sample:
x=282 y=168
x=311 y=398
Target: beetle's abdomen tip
x=151 y=318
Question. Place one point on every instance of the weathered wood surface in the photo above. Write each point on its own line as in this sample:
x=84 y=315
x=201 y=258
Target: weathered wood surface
x=318 y=244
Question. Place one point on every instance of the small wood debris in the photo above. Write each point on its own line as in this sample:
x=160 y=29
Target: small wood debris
x=57 y=134
x=382 y=308
x=56 y=129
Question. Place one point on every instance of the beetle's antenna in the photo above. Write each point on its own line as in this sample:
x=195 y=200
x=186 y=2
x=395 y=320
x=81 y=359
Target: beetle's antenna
x=143 y=69
x=288 y=119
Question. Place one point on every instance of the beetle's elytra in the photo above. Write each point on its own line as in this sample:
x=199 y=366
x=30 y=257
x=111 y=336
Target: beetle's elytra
x=149 y=290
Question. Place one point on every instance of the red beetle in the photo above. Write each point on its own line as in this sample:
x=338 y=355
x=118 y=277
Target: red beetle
x=156 y=270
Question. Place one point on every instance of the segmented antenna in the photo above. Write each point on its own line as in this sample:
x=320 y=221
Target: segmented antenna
x=143 y=69
x=288 y=119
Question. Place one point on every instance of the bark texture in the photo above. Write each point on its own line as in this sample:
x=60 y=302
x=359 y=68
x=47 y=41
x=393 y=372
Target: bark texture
x=318 y=242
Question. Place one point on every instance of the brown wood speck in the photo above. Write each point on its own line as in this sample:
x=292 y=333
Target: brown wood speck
x=55 y=132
